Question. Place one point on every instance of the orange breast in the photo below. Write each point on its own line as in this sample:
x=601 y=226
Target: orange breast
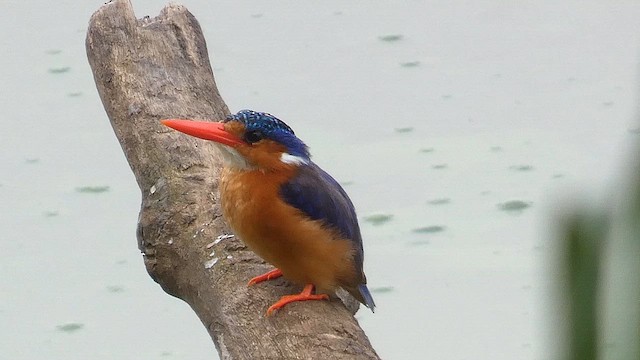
x=306 y=251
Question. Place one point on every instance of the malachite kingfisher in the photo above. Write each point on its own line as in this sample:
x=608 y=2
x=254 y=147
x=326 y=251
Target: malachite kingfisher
x=285 y=207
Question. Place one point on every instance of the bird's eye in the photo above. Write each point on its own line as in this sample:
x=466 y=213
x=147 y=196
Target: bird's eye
x=253 y=136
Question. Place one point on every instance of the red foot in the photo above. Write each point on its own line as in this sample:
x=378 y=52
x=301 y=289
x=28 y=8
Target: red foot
x=273 y=274
x=304 y=295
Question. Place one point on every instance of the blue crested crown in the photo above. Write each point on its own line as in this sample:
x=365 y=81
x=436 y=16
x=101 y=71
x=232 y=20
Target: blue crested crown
x=260 y=120
x=272 y=128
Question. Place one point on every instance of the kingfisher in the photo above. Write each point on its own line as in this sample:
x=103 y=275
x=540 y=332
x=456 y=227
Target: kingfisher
x=284 y=207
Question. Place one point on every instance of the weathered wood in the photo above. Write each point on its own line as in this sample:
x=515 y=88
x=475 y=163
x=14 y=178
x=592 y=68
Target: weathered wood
x=155 y=68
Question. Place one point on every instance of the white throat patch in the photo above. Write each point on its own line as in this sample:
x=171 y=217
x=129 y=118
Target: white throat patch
x=232 y=157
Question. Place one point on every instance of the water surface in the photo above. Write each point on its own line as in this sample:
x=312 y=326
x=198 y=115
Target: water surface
x=445 y=120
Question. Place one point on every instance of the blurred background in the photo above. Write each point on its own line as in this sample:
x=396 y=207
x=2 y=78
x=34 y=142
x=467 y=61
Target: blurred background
x=461 y=130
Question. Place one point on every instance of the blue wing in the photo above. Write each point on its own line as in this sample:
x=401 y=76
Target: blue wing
x=319 y=196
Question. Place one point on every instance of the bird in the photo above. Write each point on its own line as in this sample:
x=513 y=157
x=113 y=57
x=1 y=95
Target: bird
x=284 y=207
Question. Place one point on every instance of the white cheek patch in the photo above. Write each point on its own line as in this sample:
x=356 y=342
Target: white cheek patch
x=292 y=159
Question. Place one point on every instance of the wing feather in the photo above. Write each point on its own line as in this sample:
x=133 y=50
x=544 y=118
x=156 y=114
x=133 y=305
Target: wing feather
x=319 y=196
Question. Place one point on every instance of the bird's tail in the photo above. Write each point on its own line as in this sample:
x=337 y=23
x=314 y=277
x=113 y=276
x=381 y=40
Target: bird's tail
x=366 y=296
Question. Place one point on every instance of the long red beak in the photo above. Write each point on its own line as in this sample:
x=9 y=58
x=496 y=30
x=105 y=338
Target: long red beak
x=204 y=130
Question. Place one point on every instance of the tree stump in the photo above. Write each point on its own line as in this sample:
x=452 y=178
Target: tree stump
x=156 y=68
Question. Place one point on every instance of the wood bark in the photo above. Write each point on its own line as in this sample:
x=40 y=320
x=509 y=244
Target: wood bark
x=156 y=68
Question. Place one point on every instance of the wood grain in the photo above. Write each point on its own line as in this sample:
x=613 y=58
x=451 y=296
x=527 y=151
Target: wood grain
x=155 y=68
